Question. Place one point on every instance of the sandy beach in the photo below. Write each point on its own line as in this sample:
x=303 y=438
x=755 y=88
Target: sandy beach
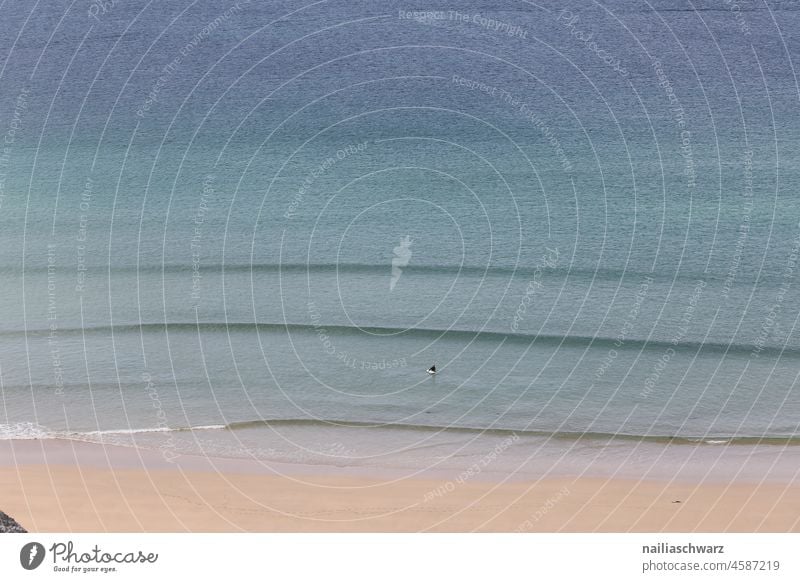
x=62 y=486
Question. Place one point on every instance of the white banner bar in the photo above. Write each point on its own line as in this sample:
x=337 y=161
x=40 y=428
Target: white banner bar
x=400 y=557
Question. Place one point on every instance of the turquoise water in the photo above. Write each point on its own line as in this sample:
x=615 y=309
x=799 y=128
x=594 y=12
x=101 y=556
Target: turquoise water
x=265 y=221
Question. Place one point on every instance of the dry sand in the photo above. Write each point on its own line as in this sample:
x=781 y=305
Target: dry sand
x=68 y=487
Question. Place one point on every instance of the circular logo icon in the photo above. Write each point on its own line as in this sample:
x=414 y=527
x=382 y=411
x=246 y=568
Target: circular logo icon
x=31 y=555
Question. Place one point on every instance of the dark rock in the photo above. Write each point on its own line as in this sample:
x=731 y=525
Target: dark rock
x=9 y=525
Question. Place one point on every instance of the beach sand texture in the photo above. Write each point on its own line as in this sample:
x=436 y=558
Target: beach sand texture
x=64 y=497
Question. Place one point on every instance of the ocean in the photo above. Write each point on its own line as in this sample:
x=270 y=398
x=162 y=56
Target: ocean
x=247 y=229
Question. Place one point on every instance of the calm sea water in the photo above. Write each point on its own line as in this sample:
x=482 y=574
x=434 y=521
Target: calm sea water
x=248 y=229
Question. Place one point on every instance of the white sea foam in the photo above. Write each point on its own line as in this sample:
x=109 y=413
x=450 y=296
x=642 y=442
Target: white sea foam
x=33 y=431
x=24 y=431
x=131 y=431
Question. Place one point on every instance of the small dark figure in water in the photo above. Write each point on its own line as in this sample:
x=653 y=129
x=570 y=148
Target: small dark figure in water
x=432 y=370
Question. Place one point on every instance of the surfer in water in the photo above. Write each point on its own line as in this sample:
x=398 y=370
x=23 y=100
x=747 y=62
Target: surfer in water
x=432 y=370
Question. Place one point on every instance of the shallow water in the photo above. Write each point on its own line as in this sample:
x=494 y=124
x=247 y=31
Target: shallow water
x=318 y=206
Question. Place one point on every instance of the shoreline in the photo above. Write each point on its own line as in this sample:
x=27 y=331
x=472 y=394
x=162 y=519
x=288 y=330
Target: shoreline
x=83 y=487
